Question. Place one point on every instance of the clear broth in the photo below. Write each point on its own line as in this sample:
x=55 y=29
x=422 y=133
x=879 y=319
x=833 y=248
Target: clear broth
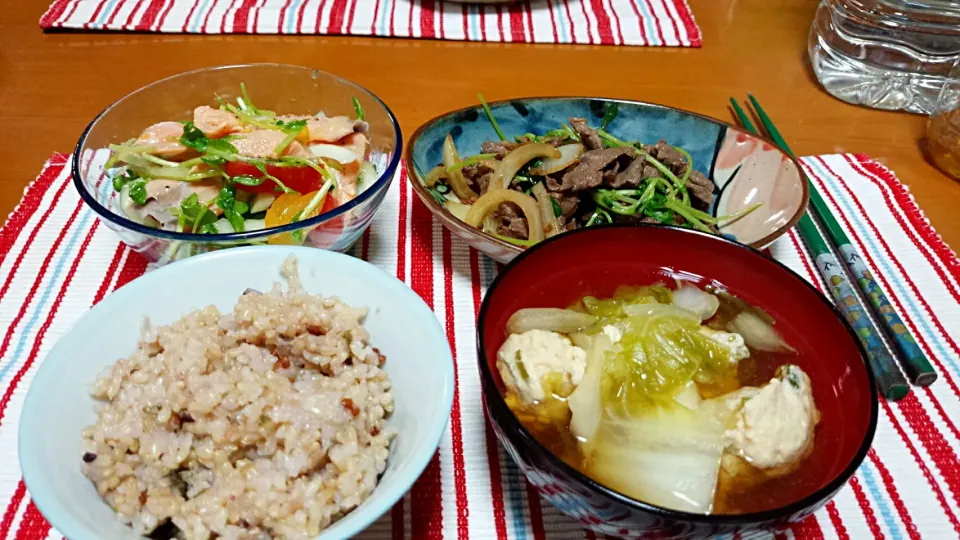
x=746 y=493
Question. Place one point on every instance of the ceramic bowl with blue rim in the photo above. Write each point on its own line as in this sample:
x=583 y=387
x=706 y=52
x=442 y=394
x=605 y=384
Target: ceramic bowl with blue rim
x=744 y=168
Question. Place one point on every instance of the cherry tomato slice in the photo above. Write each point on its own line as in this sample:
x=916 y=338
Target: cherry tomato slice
x=286 y=207
x=303 y=179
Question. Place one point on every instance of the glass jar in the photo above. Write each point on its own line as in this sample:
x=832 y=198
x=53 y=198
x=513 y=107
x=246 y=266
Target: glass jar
x=943 y=127
x=885 y=54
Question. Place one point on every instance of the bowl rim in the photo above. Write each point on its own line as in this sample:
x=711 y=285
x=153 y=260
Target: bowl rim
x=378 y=186
x=511 y=425
x=414 y=305
x=421 y=190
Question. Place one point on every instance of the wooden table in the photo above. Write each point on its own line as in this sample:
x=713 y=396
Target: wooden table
x=52 y=85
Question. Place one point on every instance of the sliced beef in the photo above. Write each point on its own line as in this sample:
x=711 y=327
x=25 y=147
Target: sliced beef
x=588 y=135
x=701 y=190
x=499 y=148
x=610 y=174
x=649 y=171
x=670 y=156
x=558 y=141
x=631 y=176
x=568 y=207
x=478 y=176
x=552 y=141
x=511 y=221
x=589 y=173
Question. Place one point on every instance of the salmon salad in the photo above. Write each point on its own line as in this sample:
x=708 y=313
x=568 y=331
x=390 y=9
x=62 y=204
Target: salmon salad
x=234 y=167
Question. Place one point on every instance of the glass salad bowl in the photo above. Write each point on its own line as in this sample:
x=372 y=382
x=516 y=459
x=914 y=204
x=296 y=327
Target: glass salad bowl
x=290 y=90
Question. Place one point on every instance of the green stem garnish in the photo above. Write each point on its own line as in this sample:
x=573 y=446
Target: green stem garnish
x=598 y=216
x=737 y=215
x=437 y=195
x=686 y=155
x=470 y=161
x=668 y=174
x=318 y=198
x=609 y=113
x=493 y=121
x=315 y=202
x=610 y=141
x=247 y=103
x=684 y=211
x=358 y=108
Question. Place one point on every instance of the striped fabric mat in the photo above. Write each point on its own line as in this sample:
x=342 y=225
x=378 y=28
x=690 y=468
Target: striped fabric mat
x=56 y=260
x=602 y=22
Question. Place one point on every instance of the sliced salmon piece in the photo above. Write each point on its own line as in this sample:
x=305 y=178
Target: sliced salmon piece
x=260 y=143
x=330 y=129
x=294 y=117
x=164 y=137
x=357 y=143
x=215 y=123
x=347 y=182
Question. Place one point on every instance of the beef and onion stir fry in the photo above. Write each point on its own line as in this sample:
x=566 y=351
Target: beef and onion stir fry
x=536 y=186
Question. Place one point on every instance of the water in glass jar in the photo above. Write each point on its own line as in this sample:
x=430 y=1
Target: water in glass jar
x=886 y=54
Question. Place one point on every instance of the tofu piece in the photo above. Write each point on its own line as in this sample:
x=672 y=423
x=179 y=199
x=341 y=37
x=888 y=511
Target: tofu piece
x=526 y=360
x=613 y=333
x=731 y=341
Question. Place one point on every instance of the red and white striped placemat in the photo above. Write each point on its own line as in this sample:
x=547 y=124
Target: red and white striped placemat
x=601 y=22
x=56 y=260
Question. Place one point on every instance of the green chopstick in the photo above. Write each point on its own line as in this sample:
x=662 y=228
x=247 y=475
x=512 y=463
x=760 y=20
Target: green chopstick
x=891 y=381
x=911 y=358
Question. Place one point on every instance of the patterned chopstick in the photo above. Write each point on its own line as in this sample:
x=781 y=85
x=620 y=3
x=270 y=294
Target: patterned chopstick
x=911 y=358
x=888 y=376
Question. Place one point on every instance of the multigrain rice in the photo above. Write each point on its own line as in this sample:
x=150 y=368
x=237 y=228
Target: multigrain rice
x=267 y=422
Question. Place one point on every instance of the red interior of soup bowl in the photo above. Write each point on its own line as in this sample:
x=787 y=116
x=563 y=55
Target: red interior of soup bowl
x=596 y=261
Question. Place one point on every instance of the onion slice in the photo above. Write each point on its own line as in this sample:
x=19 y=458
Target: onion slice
x=492 y=200
x=586 y=403
x=435 y=175
x=551 y=227
x=340 y=154
x=458 y=209
x=564 y=321
x=758 y=333
x=517 y=158
x=454 y=175
x=692 y=298
x=569 y=155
